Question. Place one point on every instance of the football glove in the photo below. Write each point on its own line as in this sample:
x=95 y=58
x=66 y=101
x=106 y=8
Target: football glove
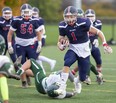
x=107 y=48
x=39 y=47
x=96 y=42
x=10 y=48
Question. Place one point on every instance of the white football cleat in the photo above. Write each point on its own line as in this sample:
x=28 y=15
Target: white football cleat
x=78 y=86
x=52 y=64
x=87 y=80
x=100 y=78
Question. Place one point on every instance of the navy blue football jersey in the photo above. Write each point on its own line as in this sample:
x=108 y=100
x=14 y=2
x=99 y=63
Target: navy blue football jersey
x=4 y=27
x=41 y=20
x=25 y=28
x=76 y=33
x=97 y=24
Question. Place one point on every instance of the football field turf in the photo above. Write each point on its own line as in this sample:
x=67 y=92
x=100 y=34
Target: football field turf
x=93 y=93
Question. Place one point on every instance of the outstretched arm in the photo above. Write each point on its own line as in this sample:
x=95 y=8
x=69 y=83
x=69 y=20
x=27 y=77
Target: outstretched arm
x=107 y=48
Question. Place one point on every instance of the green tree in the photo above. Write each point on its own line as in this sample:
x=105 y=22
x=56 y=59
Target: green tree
x=14 y=4
x=50 y=10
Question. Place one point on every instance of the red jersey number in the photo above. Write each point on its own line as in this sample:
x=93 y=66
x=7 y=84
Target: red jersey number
x=24 y=30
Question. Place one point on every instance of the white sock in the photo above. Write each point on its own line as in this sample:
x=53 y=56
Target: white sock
x=64 y=77
x=45 y=59
x=77 y=79
x=41 y=64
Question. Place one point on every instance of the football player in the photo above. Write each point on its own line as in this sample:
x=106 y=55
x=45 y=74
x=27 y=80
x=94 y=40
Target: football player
x=41 y=57
x=45 y=85
x=95 y=52
x=94 y=48
x=90 y=13
x=6 y=71
x=76 y=29
x=28 y=36
x=5 y=21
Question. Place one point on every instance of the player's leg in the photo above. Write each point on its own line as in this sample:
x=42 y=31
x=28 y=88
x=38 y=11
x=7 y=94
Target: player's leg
x=48 y=60
x=20 y=50
x=74 y=70
x=69 y=59
x=83 y=67
x=37 y=72
x=12 y=56
x=41 y=64
x=31 y=53
x=97 y=57
x=4 y=88
x=87 y=80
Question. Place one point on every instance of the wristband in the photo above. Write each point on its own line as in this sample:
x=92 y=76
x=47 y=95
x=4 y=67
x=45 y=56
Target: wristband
x=39 y=42
x=105 y=44
x=9 y=44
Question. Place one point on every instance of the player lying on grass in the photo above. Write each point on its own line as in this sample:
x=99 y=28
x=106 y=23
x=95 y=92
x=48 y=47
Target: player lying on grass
x=6 y=71
x=45 y=85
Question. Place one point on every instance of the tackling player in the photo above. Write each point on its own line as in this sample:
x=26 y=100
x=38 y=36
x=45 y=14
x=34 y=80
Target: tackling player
x=45 y=85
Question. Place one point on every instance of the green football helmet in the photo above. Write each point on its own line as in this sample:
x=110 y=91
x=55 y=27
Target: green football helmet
x=2 y=45
x=80 y=13
x=51 y=90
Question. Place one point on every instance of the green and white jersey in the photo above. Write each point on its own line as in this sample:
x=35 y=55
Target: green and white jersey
x=4 y=59
x=51 y=79
x=41 y=81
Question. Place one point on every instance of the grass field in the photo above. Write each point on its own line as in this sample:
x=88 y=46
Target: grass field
x=93 y=93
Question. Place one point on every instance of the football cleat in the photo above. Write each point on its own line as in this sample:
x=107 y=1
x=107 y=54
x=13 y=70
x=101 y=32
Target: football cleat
x=17 y=63
x=87 y=80
x=24 y=84
x=100 y=78
x=78 y=86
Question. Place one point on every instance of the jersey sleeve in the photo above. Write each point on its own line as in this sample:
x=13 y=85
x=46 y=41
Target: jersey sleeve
x=99 y=24
x=38 y=25
x=87 y=24
x=62 y=29
x=13 y=25
x=41 y=21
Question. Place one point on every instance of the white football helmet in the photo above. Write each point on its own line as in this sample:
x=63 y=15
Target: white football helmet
x=90 y=13
x=35 y=12
x=26 y=11
x=70 y=15
x=7 y=13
